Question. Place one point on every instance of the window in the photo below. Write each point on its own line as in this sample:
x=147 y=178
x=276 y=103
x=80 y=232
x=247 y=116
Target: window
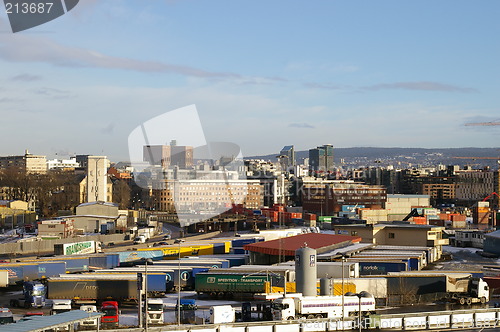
x=391 y=235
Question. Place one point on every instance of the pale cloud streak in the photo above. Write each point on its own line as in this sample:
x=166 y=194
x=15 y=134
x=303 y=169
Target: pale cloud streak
x=25 y=78
x=301 y=125
x=419 y=86
x=30 y=48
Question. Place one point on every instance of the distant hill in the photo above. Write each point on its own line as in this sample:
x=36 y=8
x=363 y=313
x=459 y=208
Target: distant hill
x=373 y=153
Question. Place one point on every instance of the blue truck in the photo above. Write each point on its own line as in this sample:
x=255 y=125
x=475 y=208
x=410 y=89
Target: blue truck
x=33 y=296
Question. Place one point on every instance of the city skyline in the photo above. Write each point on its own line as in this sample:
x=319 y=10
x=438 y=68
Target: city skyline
x=383 y=74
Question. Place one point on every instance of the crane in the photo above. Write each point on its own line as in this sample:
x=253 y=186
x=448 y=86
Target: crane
x=492 y=194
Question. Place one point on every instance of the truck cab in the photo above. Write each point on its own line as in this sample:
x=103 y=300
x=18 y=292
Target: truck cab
x=33 y=296
x=283 y=309
x=91 y=323
x=59 y=306
x=155 y=311
x=111 y=313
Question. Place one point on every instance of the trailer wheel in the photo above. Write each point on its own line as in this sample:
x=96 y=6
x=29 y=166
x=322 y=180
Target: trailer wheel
x=26 y=305
x=290 y=318
x=319 y=316
x=310 y=316
x=469 y=301
x=483 y=300
x=461 y=301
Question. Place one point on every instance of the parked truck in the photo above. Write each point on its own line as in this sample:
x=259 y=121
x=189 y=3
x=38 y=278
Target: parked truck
x=237 y=282
x=77 y=248
x=155 y=311
x=33 y=296
x=467 y=290
x=90 y=289
x=295 y=306
x=91 y=323
x=111 y=316
x=60 y=306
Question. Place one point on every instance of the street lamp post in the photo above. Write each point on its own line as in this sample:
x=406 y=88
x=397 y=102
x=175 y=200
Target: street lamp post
x=343 y=260
x=359 y=295
x=146 y=294
x=179 y=241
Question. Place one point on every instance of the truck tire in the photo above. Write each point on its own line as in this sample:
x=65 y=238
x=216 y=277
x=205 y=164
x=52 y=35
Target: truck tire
x=461 y=301
x=469 y=301
x=483 y=300
x=13 y=303
x=26 y=305
x=290 y=318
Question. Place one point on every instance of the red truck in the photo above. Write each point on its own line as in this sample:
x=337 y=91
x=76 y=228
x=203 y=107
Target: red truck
x=110 y=310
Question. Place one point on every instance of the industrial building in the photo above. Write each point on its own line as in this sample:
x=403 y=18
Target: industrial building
x=283 y=249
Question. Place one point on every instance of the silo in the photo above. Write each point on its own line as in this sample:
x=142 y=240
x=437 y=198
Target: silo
x=325 y=286
x=305 y=271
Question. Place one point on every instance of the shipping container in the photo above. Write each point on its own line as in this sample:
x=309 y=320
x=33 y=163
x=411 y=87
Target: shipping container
x=169 y=274
x=19 y=272
x=74 y=264
x=135 y=256
x=104 y=261
x=51 y=269
x=381 y=267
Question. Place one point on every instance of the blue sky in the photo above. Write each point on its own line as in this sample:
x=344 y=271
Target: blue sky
x=263 y=74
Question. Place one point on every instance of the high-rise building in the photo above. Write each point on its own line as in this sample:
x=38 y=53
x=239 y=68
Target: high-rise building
x=321 y=158
x=287 y=158
x=97 y=179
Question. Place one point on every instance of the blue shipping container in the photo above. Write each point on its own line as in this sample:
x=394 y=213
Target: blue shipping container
x=381 y=268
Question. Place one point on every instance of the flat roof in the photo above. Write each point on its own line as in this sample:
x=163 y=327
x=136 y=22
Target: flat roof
x=41 y=323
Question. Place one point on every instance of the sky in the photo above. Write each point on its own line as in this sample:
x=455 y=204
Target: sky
x=262 y=74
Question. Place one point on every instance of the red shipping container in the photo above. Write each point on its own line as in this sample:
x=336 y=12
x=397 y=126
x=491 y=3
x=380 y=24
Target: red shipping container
x=420 y=220
x=444 y=216
x=457 y=217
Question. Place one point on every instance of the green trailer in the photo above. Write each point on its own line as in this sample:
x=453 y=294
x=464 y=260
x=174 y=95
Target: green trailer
x=226 y=283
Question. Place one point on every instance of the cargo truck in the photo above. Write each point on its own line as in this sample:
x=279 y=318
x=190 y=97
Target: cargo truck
x=467 y=290
x=91 y=289
x=33 y=296
x=230 y=283
x=295 y=306
x=77 y=248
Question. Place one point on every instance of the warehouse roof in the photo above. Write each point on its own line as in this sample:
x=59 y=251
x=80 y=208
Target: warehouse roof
x=42 y=323
x=287 y=246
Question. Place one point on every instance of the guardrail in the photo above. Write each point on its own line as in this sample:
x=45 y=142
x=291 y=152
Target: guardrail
x=437 y=320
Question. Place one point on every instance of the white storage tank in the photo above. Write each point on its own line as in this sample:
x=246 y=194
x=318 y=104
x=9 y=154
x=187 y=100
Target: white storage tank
x=305 y=271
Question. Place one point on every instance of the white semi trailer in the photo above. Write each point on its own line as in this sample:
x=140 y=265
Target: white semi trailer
x=295 y=307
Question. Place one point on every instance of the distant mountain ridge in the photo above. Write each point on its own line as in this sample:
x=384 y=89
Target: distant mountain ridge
x=374 y=153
